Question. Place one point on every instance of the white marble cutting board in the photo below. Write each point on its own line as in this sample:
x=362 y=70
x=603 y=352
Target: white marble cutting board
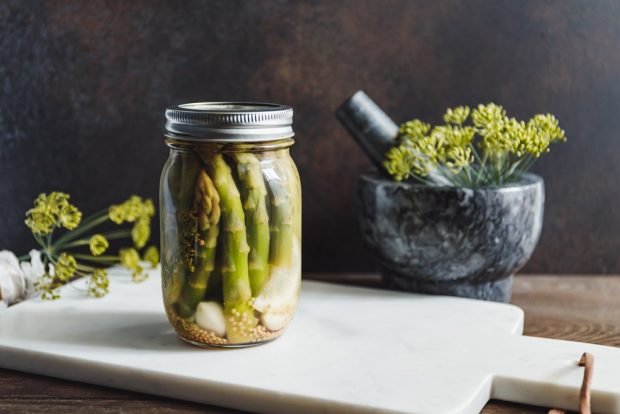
x=349 y=350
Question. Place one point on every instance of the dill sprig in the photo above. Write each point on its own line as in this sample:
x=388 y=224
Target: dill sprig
x=62 y=264
x=492 y=150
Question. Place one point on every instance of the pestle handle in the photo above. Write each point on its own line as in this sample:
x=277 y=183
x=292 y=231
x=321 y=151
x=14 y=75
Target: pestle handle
x=373 y=130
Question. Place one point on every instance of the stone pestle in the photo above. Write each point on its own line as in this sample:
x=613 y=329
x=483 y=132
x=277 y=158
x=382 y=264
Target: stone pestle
x=373 y=130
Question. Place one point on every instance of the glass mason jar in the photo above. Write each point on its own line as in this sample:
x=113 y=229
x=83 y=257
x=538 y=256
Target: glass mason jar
x=230 y=206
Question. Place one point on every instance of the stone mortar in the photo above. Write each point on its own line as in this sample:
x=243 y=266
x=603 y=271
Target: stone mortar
x=449 y=240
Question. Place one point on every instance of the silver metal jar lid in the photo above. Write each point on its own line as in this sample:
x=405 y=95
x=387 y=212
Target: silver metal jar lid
x=230 y=121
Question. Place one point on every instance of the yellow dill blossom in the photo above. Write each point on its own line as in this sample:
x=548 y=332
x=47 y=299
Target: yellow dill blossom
x=404 y=161
x=148 y=209
x=98 y=244
x=549 y=126
x=519 y=134
x=98 y=284
x=432 y=147
x=40 y=222
x=414 y=130
x=70 y=217
x=490 y=121
x=139 y=275
x=534 y=137
x=129 y=258
x=456 y=115
x=52 y=210
x=66 y=266
x=461 y=136
x=397 y=163
x=438 y=138
x=116 y=214
x=509 y=147
x=489 y=117
x=533 y=142
x=49 y=286
x=151 y=255
x=53 y=203
x=458 y=158
x=443 y=137
x=141 y=231
x=131 y=210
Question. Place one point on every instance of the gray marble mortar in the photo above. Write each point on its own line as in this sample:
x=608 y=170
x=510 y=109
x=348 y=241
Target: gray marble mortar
x=451 y=241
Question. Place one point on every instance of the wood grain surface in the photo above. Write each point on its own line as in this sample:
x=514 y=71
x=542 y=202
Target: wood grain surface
x=578 y=308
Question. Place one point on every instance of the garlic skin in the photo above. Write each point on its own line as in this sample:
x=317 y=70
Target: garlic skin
x=17 y=279
x=12 y=279
x=210 y=317
x=33 y=270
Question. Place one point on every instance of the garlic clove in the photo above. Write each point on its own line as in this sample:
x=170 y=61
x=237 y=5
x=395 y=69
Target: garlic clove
x=276 y=321
x=210 y=317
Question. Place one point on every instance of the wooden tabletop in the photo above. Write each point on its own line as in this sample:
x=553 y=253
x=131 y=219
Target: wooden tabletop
x=579 y=308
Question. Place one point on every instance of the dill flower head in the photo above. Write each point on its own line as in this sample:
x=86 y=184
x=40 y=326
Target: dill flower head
x=456 y=115
x=139 y=275
x=138 y=211
x=98 y=244
x=491 y=122
x=98 y=284
x=533 y=142
x=129 y=258
x=66 y=266
x=406 y=160
x=431 y=148
x=131 y=210
x=520 y=135
x=141 y=231
x=489 y=117
x=397 y=163
x=413 y=130
x=549 y=126
x=48 y=285
x=458 y=157
x=460 y=136
x=52 y=210
x=40 y=222
x=70 y=217
x=151 y=255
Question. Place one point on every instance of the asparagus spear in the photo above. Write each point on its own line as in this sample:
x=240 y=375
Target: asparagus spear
x=240 y=320
x=254 y=192
x=181 y=172
x=190 y=167
x=278 y=299
x=281 y=229
x=207 y=209
x=187 y=221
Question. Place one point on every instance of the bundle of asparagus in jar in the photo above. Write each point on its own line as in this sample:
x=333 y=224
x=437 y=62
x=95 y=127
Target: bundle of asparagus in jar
x=231 y=223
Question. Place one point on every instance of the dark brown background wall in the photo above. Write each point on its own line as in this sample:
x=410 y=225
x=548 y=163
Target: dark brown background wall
x=83 y=86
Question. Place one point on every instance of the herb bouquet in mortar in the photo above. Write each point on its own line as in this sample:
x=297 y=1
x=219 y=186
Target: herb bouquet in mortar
x=453 y=209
